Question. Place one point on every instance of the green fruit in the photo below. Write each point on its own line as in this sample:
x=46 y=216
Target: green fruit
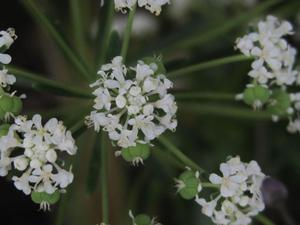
x=280 y=102
x=256 y=96
x=10 y=104
x=17 y=105
x=160 y=66
x=39 y=197
x=142 y=219
x=191 y=184
x=136 y=153
x=4 y=129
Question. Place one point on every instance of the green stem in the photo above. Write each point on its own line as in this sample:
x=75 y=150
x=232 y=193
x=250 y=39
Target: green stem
x=218 y=30
x=104 y=180
x=128 y=33
x=204 y=95
x=209 y=64
x=224 y=111
x=106 y=34
x=179 y=154
x=77 y=25
x=210 y=185
x=40 y=17
x=264 y=220
x=38 y=81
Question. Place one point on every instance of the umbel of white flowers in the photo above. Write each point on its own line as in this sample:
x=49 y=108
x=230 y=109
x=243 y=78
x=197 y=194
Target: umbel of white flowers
x=273 y=71
x=33 y=150
x=154 y=6
x=132 y=104
x=239 y=194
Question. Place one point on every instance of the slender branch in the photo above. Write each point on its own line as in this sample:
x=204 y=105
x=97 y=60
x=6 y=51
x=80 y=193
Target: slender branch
x=210 y=185
x=204 y=95
x=104 y=180
x=32 y=7
x=209 y=64
x=77 y=25
x=127 y=33
x=179 y=154
x=38 y=80
x=224 y=111
x=101 y=58
x=264 y=220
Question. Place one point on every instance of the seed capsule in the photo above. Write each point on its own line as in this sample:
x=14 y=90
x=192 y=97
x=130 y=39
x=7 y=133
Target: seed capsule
x=280 y=103
x=256 y=96
x=41 y=197
x=136 y=154
x=188 y=184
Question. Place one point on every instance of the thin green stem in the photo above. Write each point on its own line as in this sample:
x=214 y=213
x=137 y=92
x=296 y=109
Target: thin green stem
x=39 y=82
x=218 y=30
x=209 y=64
x=179 y=154
x=264 y=220
x=106 y=34
x=224 y=111
x=204 y=95
x=104 y=180
x=77 y=25
x=127 y=33
x=41 y=18
x=210 y=185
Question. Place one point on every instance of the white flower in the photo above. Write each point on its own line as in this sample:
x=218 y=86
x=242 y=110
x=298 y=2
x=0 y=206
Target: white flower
x=6 y=40
x=138 y=108
x=273 y=57
x=154 y=6
x=41 y=145
x=6 y=79
x=240 y=195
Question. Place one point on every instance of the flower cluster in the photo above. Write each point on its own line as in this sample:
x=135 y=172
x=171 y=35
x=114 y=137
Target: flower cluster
x=32 y=149
x=132 y=104
x=239 y=196
x=236 y=194
x=273 y=70
x=10 y=105
x=154 y=6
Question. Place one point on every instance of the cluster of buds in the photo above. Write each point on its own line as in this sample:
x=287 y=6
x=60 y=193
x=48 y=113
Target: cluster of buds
x=273 y=73
x=237 y=195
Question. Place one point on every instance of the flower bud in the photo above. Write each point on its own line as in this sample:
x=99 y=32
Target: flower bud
x=51 y=156
x=35 y=163
x=256 y=96
x=40 y=197
x=21 y=163
x=136 y=154
x=280 y=103
x=188 y=184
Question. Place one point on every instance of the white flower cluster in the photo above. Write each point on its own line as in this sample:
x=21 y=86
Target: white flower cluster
x=240 y=195
x=154 y=6
x=132 y=104
x=274 y=57
x=32 y=149
x=273 y=70
x=6 y=40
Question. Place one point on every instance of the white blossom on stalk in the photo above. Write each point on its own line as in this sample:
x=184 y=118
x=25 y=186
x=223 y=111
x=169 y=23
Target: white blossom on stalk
x=273 y=57
x=240 y=196
x=132 y=104
x=6 y=40
x=33 y=150
x=154 y=6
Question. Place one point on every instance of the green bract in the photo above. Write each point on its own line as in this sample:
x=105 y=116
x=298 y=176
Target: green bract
x=142 y=219
x=40 y=197
x=256 y=96
x=280 y=103
x=4 y=129
x=136 y=154
x=188 y=185
x=10 y=104
x=161 y=68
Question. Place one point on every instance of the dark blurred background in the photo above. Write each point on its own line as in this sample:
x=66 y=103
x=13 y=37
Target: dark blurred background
x=206 y=133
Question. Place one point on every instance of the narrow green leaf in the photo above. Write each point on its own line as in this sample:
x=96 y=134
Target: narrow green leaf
x=40 y=83
x=45 y=23
x=94 y=167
